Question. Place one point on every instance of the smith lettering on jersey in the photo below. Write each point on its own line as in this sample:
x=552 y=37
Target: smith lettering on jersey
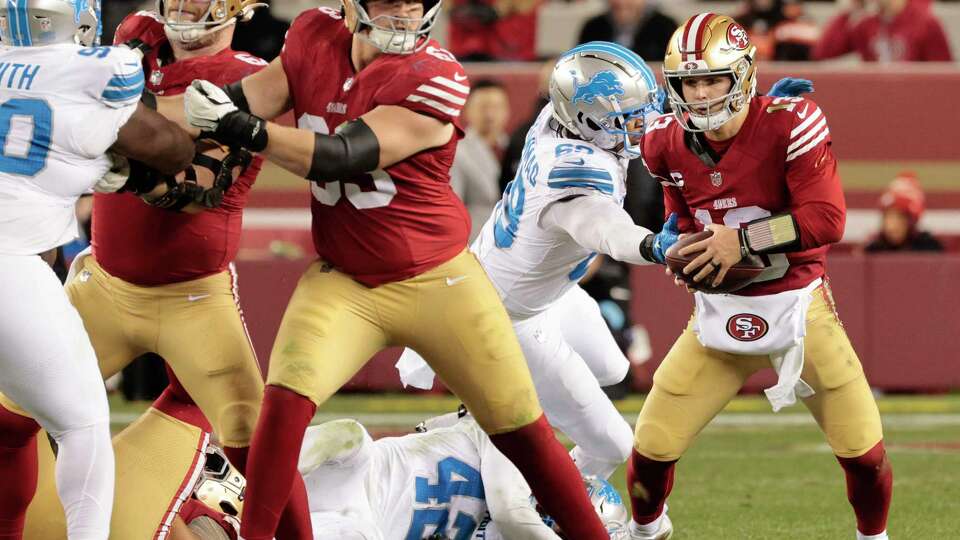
x=52 y=152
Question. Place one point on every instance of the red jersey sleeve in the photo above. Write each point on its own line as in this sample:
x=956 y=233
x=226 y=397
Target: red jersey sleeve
x=836 y=39
x=142 y=25
x=434 y=84
x=816 y=195
x=652 y=149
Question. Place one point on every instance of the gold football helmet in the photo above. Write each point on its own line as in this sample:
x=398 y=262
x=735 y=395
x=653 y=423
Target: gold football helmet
x=183 y=25
x=221 y=486
x=710 y=44
x=390 y=34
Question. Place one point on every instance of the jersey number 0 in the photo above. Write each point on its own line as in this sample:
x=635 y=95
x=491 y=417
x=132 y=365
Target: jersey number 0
x=27 y=160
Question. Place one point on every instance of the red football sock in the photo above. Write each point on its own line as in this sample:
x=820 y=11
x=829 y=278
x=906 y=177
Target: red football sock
x=295 y=519
x=18 y=471
x=649 y=483
x=553 y=478
x=272 y=466
x=869 y=488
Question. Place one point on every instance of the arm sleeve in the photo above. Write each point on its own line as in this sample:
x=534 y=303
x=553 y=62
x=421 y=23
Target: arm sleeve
x=508 y=497
x=112 y=85
x=121 y=78
x=817 y=202
x=598 y=224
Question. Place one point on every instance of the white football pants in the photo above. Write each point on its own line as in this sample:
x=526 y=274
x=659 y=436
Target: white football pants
x=571 y=354
x=48 y=367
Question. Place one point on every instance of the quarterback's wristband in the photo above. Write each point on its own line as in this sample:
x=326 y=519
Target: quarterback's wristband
x=774 y=234
x=242 y=129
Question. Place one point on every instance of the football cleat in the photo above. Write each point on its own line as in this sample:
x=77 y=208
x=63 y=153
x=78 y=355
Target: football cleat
x=664 y=532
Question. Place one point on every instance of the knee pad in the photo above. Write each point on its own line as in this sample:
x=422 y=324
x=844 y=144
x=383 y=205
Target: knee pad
x=236 y=423
x=654 y=441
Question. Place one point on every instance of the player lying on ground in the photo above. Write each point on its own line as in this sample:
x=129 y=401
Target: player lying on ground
x=760 y=173
x=390 y=234
x=64 y=104
x=446 y=481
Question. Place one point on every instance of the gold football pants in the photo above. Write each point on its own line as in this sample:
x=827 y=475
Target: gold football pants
x=694 y=383
x=196 y=326
x=451 y=315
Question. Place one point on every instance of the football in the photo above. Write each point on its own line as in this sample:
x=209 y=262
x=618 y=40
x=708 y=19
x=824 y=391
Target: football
x=739 y=276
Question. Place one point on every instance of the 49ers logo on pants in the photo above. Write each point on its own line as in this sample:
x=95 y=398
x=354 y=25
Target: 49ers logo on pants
x=747 y=327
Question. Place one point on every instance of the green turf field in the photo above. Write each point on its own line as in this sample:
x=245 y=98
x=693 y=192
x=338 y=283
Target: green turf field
x=754 y=474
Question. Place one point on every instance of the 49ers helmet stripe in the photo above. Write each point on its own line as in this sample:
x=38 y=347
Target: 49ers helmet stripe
x=693 y=36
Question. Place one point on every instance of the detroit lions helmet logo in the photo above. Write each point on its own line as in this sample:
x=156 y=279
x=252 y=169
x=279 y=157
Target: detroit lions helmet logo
x=603 y=84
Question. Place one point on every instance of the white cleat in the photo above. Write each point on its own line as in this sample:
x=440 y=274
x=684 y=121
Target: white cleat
x=663 y=532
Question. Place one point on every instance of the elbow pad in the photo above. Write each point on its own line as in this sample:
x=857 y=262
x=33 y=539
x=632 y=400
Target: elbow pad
x=352 y=150
x=774 y=234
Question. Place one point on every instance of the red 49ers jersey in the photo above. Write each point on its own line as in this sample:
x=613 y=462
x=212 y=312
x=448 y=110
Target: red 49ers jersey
x=149 y=246
x=395 y=223
x=780 y=161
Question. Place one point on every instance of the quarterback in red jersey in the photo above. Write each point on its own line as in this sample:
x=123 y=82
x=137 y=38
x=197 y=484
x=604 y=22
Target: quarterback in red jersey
x=760 y=173
x=163 y=281
x=378 y=106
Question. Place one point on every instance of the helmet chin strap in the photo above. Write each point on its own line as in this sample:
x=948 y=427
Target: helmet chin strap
x=192 y=34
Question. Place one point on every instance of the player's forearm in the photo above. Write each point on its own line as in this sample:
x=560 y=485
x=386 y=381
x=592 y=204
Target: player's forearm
x=820 y=224
x=523 y=522
x=290 y=148
x=600 y=226
x=171 y=107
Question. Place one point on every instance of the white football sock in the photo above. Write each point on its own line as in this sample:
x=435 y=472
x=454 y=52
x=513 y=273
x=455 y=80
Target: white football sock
x=649 y=528
x=881 y=536
x=85 y=480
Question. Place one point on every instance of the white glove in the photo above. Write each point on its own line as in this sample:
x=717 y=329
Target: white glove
x=116 y=177
x=205 y=104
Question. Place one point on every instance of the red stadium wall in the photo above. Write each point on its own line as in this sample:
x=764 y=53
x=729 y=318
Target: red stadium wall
x=904 y=111
x=897 y=309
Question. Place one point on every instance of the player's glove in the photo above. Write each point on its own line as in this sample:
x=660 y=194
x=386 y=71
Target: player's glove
x=667 y=237
x=209 y=109
x=115 y=178
x=790 y=87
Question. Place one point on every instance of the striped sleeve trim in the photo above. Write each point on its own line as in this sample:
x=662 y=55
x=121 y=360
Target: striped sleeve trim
x=603 y=187
x=124 y=87
x=806 y=136
x=442 y=94
x=580 y=173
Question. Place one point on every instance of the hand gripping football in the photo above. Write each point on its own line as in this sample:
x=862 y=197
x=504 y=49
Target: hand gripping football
x=739 y=276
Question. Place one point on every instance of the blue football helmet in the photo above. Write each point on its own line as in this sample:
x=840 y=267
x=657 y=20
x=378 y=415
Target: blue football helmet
x=598 y=88
x=34 y=23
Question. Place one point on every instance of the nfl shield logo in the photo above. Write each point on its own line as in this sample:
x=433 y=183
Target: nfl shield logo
x=716 y=179
x=348 y=84
x=155 y=77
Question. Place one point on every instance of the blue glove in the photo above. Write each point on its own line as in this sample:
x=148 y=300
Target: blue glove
x=790 y=87
x=667 y=237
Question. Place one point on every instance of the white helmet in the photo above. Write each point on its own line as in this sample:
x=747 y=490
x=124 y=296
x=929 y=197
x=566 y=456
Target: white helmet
x=221 y=485
x=597 y=88
x=608 y=505
x=388 y=33
x=219 y=15
x=33 y=23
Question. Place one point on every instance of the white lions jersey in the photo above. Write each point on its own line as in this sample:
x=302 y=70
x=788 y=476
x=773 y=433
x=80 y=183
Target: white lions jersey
x=438 y=484
x=532 y=266
x=61 y=107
